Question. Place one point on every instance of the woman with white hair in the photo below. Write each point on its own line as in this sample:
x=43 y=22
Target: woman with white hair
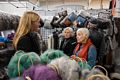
x=68 y=43
x=84 y=48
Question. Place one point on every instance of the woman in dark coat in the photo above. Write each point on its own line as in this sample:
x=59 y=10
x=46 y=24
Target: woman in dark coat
x=69 y=41
x=26 y=37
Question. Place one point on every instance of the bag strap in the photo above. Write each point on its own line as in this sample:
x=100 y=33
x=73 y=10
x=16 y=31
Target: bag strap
x=99 y=66
x=55 y=68
x=19 y=62
x=82 y=60
x=102 y=77
x=78 y=59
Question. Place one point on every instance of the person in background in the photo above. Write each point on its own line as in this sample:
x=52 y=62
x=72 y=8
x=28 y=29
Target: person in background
x=98 y=39
x=84 y=48
x=26 y=37
x=68 y=43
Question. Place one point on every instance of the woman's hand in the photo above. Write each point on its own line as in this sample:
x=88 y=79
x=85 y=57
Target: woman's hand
x=76 y=58
x=72 y=57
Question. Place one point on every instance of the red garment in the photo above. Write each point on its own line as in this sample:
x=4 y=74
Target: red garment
x=113 y=7
x=83 y=51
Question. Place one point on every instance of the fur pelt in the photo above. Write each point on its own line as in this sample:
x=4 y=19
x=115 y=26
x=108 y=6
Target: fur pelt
x=40 y=72
x=94 y=74
x=20 y=62
x=50 y=54
x=68 y=69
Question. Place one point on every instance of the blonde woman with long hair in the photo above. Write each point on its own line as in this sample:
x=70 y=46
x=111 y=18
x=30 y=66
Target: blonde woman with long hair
x=26 y=38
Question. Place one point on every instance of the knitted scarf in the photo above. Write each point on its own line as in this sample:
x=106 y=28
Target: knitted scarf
x=82 y=53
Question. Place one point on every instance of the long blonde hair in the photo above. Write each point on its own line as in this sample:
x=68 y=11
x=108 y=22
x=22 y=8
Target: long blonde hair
x=25 y=25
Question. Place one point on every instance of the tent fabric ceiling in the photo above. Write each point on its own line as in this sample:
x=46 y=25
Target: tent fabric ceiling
x=32 y=1
x=92 y=3
x=13 y=0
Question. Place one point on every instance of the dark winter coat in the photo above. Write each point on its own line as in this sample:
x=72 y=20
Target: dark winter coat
x=68 y=45
x=29 y=43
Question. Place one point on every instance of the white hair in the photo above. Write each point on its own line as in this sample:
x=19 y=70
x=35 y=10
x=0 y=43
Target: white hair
x=84 y=31
x=70 y=29
x=68 y=69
